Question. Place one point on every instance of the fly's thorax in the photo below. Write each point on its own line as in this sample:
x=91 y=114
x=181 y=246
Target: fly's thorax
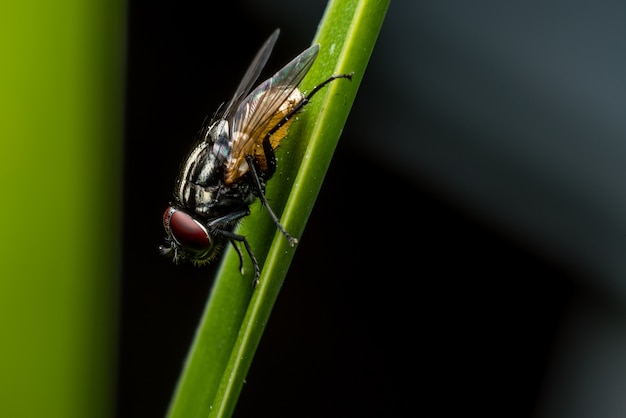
x=199 y=176
x=200 y=187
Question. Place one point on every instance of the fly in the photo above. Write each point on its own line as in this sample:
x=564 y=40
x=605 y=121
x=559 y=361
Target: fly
x=228 y=168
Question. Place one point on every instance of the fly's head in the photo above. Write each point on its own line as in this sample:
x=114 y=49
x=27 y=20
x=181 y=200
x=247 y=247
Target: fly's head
x=187 y=238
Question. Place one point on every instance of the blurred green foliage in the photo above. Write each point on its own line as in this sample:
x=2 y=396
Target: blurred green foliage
x=61 y=95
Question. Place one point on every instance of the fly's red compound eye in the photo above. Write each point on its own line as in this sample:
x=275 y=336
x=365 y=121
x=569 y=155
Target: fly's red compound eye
x=188 y=232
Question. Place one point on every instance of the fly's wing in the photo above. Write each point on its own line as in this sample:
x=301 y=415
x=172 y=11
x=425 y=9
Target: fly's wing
x=222 y=147
x=250 y=122
x=254 y=70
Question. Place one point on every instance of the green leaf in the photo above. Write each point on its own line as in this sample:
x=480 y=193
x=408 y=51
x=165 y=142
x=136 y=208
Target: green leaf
x=236 y=314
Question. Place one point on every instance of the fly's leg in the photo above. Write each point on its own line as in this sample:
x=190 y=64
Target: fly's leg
x=234 y=238
x=234 y=243
x=257 y=182
x=240 y=238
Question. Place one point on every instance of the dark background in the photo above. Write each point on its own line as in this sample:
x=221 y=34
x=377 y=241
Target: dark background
x=464 y=255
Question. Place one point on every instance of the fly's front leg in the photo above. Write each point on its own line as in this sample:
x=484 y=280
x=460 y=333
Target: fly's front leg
x=232 y=237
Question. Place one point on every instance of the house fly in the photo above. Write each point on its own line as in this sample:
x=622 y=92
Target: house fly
x=230 y=165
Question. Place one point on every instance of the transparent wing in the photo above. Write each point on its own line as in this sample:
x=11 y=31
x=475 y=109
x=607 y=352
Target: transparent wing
x=252 y=74
x=250 y=121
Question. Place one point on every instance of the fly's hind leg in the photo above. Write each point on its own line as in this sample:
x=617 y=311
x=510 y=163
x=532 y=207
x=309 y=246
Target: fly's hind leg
x=257 y=182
